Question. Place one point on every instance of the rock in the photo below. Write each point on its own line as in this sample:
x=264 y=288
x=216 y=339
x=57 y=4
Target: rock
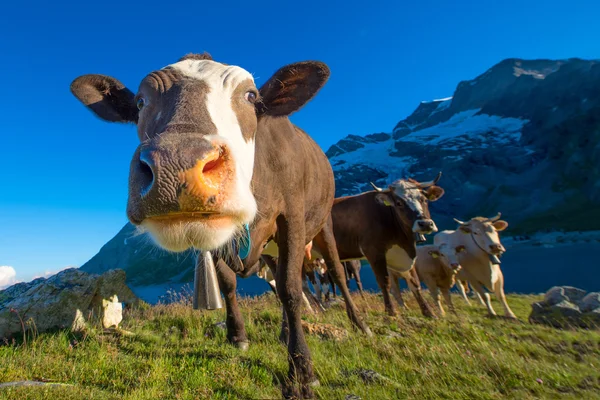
x=78 y=324
x=370 y=376
x=565 y=306
x=112 y=312
x=326 y=331
x=222 y=325
x=559 y=294
x=590 y=302
x=61 y=301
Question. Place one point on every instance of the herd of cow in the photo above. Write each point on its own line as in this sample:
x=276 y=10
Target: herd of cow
x=221 y=168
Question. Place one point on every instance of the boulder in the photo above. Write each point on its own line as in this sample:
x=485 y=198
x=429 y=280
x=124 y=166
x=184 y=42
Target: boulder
x=65 y=300
x=558 y=294
x=112 y=312
x=565 y=306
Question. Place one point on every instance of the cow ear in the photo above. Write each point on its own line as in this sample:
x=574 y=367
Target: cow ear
x=383 y=199
x=500 y=225
x=433 y=193
x=291 y=87
x=108 y=98
x=465 y=229
x=434 y=253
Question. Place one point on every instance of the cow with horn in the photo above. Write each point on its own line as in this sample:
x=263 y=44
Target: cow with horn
x=481 y=259
x=383 y=226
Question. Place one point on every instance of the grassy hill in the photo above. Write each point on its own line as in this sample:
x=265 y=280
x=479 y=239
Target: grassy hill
x=179 y=353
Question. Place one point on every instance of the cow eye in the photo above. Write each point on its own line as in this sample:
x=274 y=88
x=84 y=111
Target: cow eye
x=251 y=96
x=140 y=103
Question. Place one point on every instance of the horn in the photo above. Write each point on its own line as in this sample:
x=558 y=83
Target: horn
x=431 y=183
x=375 y=187
x=496 y=218
x=459 y=221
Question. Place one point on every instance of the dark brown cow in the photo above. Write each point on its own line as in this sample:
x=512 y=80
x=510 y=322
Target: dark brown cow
x=381 y=226
x=352 y=269
x=216 y=156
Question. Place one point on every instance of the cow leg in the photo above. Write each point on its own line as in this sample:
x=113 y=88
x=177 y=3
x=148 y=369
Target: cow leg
x=379 y=266
x=272 y=264
x=359 y=282
x=289 y=284
x=461 y=289
x=478 y=297
x=332 y=283
x=446 y=293
x=305 y=290
x=318 y=290
x=481 y=291
x=395 y=289
x=325 y=241
x=499 y=290
x=434 y=293
x=236 y=332
x=412 y=279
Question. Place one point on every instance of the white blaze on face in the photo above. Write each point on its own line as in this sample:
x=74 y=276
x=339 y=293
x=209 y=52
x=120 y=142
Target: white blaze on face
x=410 y=193
x=222 y=81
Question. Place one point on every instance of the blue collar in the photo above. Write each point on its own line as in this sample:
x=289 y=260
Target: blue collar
x=243 y=244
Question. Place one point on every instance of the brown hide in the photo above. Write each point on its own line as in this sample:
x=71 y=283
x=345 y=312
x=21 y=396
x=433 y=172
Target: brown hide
x=361 y=223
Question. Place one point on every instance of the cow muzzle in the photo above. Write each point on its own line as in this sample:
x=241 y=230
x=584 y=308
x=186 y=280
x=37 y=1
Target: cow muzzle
x=455 y=267
x=424 y=226
x=180 y=181
x=496 y=250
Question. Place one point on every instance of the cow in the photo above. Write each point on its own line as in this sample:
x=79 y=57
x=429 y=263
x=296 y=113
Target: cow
x=221 y=168
x=352 y=269
x=383 y=226
x=267 y=271
x=436 y=267
x=480 y=263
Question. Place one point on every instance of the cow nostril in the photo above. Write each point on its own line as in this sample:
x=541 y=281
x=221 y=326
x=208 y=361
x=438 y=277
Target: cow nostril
x=146 y=174
x=212 y=165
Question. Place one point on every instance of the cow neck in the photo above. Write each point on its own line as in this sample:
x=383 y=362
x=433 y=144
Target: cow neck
x=402 y=228
x=477 y=244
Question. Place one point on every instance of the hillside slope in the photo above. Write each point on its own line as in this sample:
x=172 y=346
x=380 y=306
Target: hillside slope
x=178 y=352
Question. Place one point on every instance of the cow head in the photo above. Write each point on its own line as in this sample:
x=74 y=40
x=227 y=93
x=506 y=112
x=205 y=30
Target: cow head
x=448 y=256
x=484 y=232
x=410 y=201
x=190 y=177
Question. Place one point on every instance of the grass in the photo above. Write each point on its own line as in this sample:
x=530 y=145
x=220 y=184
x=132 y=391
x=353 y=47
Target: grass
x=179 y=353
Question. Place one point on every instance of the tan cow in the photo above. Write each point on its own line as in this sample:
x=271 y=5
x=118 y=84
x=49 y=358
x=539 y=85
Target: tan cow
x=437 y=267
x=480 y=262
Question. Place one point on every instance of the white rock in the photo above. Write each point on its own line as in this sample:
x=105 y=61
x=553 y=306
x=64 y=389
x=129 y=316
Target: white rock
x=112 y=312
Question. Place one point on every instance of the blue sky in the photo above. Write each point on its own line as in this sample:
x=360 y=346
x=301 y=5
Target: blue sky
x=63 y=181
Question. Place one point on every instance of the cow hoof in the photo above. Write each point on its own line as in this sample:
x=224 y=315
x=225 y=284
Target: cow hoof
x=243 y=346
x=314 y=383
x=368 y=332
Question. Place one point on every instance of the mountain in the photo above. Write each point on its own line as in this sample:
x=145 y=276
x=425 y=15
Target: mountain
x=523 y=138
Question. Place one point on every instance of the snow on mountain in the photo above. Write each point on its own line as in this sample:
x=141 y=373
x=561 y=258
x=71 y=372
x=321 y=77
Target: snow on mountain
x=515 y=139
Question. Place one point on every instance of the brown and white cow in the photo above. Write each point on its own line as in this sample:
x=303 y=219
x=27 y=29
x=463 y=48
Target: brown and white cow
x=437 y=267
x=217 y=155
x=480 y=263
x=383 y=227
